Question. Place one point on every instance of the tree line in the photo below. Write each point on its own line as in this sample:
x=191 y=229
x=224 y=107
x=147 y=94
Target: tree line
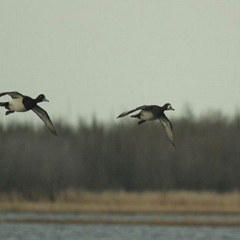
x=121 y=156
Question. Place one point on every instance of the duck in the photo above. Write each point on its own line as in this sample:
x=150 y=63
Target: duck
x=23 y=103
x=151 y=113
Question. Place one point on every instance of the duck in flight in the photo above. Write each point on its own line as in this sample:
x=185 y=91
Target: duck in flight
x=153 y=112
x=22 y=103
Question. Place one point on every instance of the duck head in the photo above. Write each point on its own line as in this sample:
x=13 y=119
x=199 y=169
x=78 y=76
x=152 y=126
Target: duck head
x=168 y=106
x=41 y=98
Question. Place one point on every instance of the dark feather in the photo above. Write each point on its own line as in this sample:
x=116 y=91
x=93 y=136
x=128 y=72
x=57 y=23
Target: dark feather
x=12 y=94
x=131 y=111
x=168 y=128
x=46 y=119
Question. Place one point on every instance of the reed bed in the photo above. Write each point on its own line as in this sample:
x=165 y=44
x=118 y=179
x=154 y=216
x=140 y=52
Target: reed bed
x=122 y=202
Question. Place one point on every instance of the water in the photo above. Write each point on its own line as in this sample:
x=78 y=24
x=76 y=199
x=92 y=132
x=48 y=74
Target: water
x=112 y=232
x=40 y=231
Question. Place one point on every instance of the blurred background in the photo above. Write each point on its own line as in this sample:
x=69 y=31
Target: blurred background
x=121 y=156
x=95 y=59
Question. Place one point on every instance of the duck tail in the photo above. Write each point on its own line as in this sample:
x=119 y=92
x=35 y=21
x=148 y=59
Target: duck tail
x=3 y=104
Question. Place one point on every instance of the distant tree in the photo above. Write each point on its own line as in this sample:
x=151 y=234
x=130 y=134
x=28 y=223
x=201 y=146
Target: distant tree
x=122 y=155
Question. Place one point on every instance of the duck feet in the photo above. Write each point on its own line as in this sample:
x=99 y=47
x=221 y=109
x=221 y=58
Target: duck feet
x=8 y=112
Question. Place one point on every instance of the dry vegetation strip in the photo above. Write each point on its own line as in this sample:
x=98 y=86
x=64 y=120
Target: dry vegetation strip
x=123 y=202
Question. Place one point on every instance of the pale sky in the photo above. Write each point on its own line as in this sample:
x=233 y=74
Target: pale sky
x=103 y=57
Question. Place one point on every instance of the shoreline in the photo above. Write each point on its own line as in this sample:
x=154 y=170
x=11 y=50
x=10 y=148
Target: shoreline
x=127 y=203
x=181 y=202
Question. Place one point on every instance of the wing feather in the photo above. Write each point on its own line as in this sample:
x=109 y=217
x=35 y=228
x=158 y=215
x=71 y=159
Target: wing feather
x=168 y=128
x=12 y=94
x=131 y=111
x=46 y=119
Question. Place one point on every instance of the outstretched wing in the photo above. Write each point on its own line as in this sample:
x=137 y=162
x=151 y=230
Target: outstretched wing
x=168 y=128
x=46 y=119
x=131 y=111
x=12 y=94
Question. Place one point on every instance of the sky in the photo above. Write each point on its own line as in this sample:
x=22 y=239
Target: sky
x=102 y=57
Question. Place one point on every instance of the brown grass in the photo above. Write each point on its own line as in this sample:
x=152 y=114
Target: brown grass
x=123 y=202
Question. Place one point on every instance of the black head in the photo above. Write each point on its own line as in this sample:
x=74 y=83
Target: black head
x=168 y=106
x=41 y=98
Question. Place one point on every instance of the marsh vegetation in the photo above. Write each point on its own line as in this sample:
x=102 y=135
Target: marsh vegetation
x=178 y=202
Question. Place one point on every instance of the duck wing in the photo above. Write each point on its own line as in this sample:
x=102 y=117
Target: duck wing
x=44 y=116
x=133 y=110
x=168 y=128
x=12 y=94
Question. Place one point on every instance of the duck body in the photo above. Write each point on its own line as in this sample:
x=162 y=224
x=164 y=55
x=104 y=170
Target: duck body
x=22 y=103
x=151 y=113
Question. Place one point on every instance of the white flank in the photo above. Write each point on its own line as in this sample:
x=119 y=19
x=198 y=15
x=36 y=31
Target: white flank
x=145 y=115
x=17 y=105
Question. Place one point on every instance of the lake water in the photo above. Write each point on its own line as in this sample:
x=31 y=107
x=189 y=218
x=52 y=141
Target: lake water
x=52 y=231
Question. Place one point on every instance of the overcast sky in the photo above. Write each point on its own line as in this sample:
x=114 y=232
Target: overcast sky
x=102 y=57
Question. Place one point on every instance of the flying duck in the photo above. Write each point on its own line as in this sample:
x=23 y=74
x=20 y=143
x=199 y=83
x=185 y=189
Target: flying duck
x=22 y=103
x=153 y=112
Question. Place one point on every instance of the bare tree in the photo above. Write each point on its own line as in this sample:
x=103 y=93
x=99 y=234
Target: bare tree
x=121 y=156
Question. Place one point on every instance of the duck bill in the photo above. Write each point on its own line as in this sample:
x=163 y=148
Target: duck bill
x=45 y=100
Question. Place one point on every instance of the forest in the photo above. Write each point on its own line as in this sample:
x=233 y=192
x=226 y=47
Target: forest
x=121 y=155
